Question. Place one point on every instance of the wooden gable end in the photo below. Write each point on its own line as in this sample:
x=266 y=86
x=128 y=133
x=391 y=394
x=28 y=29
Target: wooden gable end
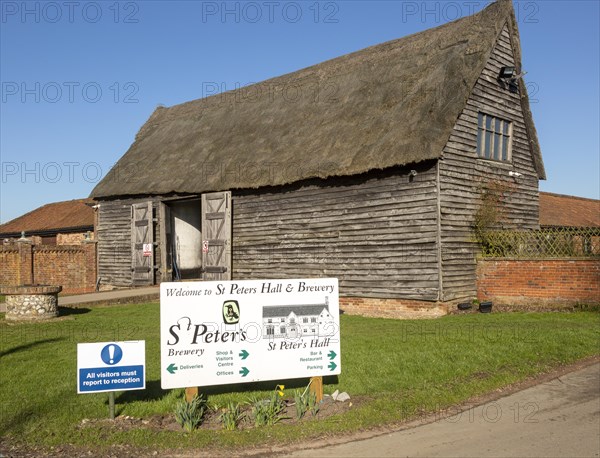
x=463 y=175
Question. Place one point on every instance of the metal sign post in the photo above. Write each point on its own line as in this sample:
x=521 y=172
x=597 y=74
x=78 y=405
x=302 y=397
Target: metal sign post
x=111 y=405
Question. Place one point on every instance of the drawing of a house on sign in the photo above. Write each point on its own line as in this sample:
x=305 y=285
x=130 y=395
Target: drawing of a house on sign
x=295 y=321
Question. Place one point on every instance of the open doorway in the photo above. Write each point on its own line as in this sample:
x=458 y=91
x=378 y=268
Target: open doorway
x=195 y=237
x=184 y=239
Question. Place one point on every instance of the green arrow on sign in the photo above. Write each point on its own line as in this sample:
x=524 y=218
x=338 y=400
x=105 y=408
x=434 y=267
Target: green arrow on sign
x=331 y=354
x=172 y=368
x=244 y=371
x=332 y=366
x=243 y=354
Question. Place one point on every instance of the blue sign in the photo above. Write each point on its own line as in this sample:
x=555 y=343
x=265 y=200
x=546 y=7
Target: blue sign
x=111 y=366
x=111 y=354
x=111 y=379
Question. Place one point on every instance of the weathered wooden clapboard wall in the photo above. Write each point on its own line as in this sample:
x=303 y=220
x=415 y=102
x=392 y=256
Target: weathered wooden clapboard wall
x=462 y=175
x=377 y=233
x=113 y=233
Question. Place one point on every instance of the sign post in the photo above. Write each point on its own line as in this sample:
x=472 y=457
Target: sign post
x=110 y=367
x=316 y=387
x=111 y=405
x=225 y=332
x=190 y=393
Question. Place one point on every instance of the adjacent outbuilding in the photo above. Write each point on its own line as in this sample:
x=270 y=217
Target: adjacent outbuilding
x=57 y=223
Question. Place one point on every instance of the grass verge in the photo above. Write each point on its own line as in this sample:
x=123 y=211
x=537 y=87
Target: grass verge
x=397 y=369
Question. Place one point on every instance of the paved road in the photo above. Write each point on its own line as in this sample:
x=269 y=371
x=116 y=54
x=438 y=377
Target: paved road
x=560 y=418
x=116 y=296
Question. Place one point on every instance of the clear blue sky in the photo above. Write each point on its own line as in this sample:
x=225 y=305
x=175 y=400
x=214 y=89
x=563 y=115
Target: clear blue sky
x=80 y=78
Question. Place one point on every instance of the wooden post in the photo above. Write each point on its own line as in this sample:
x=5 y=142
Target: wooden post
x=316 y=386
x=190 y=392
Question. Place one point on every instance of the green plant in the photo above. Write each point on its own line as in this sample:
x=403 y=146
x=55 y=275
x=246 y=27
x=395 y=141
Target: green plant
x=313 y=405
x=189 y=415
x=267 y=411
x=305 y=401
x=231 y=416
x=215 y=405
x=586 y=308
x=491 y=211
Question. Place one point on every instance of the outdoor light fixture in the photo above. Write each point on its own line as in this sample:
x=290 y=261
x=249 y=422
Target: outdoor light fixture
x=509 y=77
x=506 y=73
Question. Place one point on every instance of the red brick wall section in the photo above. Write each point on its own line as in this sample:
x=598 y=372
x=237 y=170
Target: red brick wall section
x=392 y=308
x=72 y=239
x=9 y=265
x=72 y=267
x=563 y=282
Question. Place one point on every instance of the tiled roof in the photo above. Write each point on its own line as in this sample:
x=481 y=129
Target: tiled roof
x=568 y=211
x=53 y=217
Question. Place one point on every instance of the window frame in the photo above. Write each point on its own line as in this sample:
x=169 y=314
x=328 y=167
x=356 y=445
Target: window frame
x=486 y=146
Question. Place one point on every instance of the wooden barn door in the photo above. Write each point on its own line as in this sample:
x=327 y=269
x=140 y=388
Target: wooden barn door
x=216 y=236
x=142 y=244
x=165 y=244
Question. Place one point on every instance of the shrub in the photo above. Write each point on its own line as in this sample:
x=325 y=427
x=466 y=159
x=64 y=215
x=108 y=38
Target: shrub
x=189 y=415
x=305 y=401
x=267 y=411
x=231 y=416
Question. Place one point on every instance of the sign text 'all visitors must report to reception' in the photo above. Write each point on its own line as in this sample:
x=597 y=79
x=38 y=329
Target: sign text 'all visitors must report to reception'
x=222 y=332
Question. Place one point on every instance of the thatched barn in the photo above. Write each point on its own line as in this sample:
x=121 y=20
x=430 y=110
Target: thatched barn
x=369 y=167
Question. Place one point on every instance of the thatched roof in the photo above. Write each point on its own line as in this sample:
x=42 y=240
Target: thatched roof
x=388 y=105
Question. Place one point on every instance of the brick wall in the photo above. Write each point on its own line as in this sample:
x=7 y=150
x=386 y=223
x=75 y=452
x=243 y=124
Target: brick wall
x=392 y=308
x=9 y=265
x=562 y=282
x=71 y=266
x=72 y=239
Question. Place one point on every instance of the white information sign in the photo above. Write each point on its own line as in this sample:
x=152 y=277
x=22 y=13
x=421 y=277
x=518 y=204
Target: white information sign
x=147 y=250
x=222 y=332
x=111 y=366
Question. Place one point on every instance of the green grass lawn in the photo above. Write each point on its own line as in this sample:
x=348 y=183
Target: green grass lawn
x=394 y=368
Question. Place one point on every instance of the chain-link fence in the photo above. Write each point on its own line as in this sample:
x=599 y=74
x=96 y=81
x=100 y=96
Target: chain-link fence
x=542 y=243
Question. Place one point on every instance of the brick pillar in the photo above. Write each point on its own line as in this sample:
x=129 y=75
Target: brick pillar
x=25 y=261
x=90 y=247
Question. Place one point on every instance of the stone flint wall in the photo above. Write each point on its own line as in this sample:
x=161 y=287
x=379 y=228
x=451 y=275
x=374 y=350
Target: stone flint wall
x=31 y=302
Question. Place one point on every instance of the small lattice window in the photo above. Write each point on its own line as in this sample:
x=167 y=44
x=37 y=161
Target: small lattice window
x=494 y=138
